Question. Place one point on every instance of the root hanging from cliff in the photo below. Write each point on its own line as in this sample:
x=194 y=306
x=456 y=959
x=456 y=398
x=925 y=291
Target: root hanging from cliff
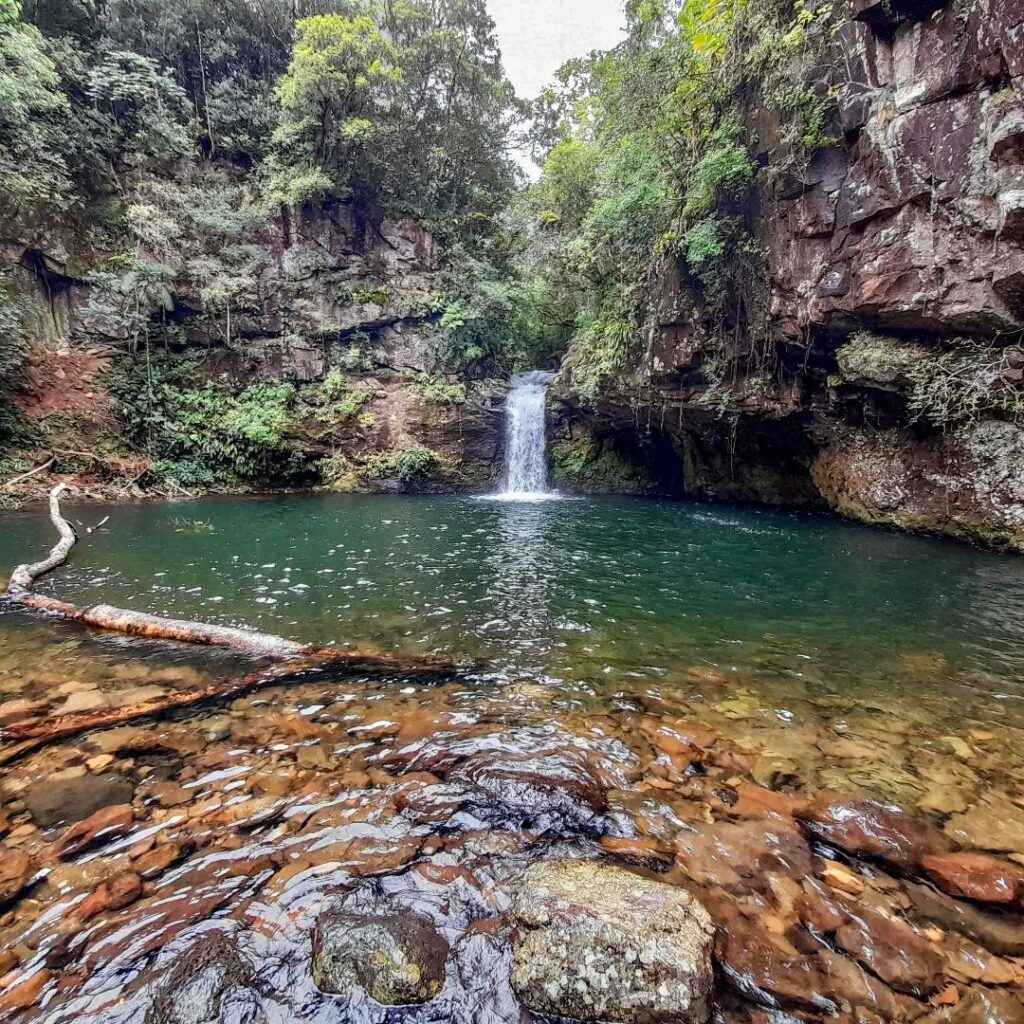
x=20 y=590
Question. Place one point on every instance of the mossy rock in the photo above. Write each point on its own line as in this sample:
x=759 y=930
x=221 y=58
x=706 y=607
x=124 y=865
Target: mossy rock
x=584 y=463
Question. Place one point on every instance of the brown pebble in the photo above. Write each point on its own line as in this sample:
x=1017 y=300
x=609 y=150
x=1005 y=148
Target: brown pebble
x=25 y=993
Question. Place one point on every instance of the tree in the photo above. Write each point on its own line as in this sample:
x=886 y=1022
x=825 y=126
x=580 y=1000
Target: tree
x=457 y=109
x=33 y=121
x=336 y=116
x=148 y=108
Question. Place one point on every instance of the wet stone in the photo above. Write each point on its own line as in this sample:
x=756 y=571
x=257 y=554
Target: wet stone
x=766 y=969
x=68 y=800
x=601 y=943
x=865 y=828
x=996 y=825
x=15 y=871
x=397 y=960
x=981 y=1006
x=738 y=856
x=556 y=791
x=891 y=949
x=1002 y=932
x=197 y=983
x=977 y=876
x=117 y=894
x=106 y=824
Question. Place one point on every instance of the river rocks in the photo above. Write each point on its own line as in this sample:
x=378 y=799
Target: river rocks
x=640 y=850
x=168 y=794
x=737 y=857
x=1001 y=933
x=15 y=871
x=769 y=970
x=976 y=876
x=600 y=943
x=995 y=825
x=396 y=960
x=154 y=862
x=104 y=825
x=868 y=829
x=116 y=894
x=532 y=780
x=753 y=801
x=197 y=982
x=546 y=792
x=891 y=949
x=54 y=803
x=981 y=1006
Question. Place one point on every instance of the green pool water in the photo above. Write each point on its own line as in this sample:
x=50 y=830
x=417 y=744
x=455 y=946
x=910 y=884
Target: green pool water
x=590 y=592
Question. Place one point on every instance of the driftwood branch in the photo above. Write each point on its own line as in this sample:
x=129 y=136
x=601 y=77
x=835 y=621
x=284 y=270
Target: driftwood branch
x=32 y=472
x=157 y=627
x=24 y=737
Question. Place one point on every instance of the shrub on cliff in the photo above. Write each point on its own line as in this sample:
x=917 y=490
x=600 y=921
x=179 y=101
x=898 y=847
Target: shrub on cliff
x=199 y=432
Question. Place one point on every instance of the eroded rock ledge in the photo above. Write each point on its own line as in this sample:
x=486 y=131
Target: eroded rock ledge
x=883 y=380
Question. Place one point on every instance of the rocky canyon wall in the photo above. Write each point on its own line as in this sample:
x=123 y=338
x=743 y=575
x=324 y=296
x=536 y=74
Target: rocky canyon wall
x=881 y=376
x=343 y=312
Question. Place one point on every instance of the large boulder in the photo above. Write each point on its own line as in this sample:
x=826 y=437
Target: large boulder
x=601 y=943
x=397 y=961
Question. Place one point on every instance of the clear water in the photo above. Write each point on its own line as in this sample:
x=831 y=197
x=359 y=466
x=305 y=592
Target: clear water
x=815 y=654
x=526 y=469
x=587 y=592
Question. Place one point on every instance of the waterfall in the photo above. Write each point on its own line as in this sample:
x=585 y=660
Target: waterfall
x=526 y=457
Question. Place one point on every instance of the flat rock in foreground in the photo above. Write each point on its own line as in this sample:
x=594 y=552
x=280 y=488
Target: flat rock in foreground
x=601 y=943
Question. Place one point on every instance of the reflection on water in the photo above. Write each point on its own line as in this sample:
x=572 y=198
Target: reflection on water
x=522 y=576
x=661 y=683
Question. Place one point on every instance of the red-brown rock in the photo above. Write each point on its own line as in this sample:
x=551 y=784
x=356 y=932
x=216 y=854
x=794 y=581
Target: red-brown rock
x=891 y=949
x=105 y=824
x=116 y=894
x=976 y=876
x=15 y=869
x=767 y=969
x=754 y=801
x=738 y=856
x=640 y=850
x=865 y=828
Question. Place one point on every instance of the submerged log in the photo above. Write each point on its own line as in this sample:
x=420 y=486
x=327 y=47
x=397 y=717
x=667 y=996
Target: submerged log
x=157 y=627
x=25 y=737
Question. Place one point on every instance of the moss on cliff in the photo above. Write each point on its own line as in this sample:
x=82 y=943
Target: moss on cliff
x=591 y=465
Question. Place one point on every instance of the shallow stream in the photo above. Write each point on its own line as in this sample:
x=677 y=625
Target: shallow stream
x=691 y=659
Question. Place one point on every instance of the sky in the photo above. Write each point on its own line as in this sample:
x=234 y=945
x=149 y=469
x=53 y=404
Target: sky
x=538 y=36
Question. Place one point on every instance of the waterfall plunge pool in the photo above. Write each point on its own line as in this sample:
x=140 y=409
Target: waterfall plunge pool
x=676 y=653
x=590 y=593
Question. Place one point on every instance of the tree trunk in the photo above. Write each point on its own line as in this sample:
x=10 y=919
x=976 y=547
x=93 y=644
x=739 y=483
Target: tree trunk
x=157 y=627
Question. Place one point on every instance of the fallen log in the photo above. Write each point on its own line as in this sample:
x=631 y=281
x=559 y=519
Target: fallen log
x=157 y=627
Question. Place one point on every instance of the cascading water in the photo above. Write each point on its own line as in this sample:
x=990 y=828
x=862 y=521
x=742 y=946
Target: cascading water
x=526 y=458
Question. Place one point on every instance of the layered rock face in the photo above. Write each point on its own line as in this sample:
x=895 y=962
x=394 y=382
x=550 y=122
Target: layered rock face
x=331 y=296
x=883 y=376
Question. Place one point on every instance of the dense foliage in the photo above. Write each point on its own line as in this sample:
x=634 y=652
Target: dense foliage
x=649 y=160
x=166 y=135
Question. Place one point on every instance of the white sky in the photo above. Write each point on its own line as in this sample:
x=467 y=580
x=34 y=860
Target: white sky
x=538 y=36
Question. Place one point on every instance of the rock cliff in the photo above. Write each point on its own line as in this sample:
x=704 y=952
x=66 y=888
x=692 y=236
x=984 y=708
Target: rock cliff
x=343 y=312
x=881 y=375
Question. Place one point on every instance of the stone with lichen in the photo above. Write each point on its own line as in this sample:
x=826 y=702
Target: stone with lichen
x=601 y=943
